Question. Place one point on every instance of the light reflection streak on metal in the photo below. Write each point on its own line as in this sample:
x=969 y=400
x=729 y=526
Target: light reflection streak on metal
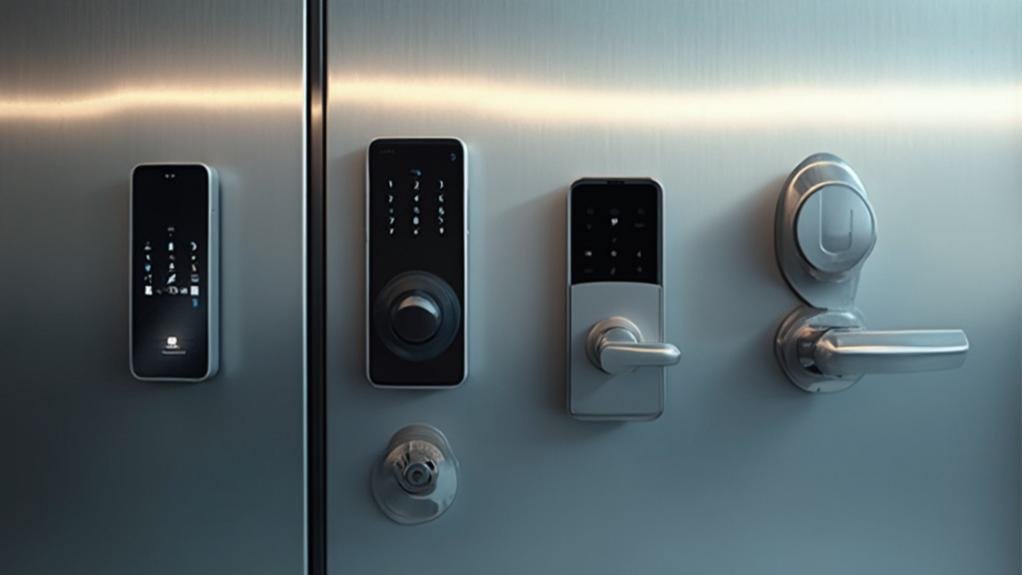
x=764 y=107
x=100 y=104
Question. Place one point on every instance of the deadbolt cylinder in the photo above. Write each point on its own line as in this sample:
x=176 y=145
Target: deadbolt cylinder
x=417 y=479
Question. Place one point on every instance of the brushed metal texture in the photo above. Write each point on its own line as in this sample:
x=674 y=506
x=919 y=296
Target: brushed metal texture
x=102 y=473
x=717 y=100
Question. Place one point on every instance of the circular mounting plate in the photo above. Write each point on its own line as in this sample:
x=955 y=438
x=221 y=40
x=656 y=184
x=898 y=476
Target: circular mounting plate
x=602 y=327
x=801 y=328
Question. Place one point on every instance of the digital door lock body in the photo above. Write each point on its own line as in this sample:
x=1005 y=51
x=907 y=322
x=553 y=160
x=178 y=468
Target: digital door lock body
x=825 y=229
x=416 y=263
x=616 y=349
x=174 y=262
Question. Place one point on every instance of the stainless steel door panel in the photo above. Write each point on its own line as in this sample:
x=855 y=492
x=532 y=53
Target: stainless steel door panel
x=103 y=473
x=744 y=472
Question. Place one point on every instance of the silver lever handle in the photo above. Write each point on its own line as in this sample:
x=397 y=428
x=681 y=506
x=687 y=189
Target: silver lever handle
x=830 y=350
x=615 y=345
x=852 y=352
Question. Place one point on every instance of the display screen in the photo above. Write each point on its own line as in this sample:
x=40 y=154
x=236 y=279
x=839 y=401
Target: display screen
x=615 y=231
x=170 y=271
x=416 y=223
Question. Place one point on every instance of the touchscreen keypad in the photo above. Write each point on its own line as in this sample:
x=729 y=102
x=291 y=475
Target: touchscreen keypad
x=416 y=205
x=615 y=233
x=171 y=266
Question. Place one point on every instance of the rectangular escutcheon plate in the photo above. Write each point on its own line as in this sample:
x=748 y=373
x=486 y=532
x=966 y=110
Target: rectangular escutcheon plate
x=614 y=263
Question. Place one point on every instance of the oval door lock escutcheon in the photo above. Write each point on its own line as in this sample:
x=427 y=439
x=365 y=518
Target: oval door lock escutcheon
x=825 y=230
x=417 y=479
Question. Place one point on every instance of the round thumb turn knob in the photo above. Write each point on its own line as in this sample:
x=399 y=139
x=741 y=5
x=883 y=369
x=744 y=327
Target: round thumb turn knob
x=835 y=229
x=415 y=317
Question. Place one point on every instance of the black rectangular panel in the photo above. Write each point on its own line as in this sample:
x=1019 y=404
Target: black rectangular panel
x=615 y=231
x=416 y=233
x=170 y=287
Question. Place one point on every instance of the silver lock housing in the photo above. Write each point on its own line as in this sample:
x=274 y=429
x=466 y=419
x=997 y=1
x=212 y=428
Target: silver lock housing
x=619 y=318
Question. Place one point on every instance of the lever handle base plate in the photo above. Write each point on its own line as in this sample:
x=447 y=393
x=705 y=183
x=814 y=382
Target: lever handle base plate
x=796 y=328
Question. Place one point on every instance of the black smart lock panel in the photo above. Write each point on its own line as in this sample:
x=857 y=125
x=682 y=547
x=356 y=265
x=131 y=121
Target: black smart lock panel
x=615 y=231
x=174 y=260
x=416 y=254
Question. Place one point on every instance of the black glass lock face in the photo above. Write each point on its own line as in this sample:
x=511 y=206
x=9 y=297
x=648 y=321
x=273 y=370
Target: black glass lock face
x=615 y=231
x=170 y=250
x=416 y=262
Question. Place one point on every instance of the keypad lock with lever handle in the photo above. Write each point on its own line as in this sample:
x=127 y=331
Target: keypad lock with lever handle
x=825 y=230
x=616 y=301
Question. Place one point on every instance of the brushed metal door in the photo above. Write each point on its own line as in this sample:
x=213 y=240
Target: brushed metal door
x=743 y=473
x=102 y=473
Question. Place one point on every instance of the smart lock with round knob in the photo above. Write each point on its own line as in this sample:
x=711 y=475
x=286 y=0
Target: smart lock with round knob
x=416 y=280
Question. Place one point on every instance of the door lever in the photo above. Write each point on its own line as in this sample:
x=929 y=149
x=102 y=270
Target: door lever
x=829 y=350
x=842 y=352
x=615 y=346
